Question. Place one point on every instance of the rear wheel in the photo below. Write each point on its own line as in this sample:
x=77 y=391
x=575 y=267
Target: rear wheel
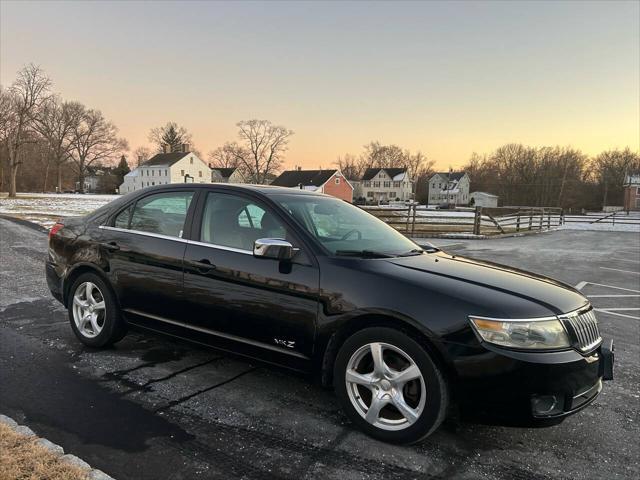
x=389 y=386
x=93 y=312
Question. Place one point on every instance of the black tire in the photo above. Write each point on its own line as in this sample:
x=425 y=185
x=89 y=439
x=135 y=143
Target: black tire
x=114 y=328
x=436 y=400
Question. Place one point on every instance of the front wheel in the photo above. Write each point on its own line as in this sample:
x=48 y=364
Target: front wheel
x=389 y=386
x=93 y=312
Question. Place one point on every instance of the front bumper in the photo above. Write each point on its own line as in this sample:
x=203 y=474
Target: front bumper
x=530 y=387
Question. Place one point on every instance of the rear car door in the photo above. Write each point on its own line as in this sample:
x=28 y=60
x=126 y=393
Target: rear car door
x=264 y=305
x=145 y=252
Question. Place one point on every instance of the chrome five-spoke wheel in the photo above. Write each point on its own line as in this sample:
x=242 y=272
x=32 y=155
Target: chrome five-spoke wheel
x=385 y=386
x=89 y=312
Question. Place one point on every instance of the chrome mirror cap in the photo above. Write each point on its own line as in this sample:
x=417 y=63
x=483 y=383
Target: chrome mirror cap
x=276 y=248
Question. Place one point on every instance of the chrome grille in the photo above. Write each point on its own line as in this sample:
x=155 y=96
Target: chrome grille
x=583 y=327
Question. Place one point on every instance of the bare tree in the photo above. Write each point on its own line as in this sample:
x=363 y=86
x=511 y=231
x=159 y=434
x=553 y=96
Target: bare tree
x=141 y=154
x=95 y=140
x=55 y=122
x=609 y=168
x=262 y=147
x=24 y=99
x=229 y=155
x=377 y=155
x=351 y=166
x=170 y=134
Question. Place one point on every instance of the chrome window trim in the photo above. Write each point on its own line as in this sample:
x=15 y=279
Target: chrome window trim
x=146 y=234
x=216 y=333
x=177 y=239
x=220 y=247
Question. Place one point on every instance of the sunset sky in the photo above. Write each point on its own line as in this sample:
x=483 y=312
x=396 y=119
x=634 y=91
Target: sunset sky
x=444 y=78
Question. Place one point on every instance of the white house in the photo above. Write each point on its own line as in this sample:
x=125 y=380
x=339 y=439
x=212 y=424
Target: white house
x=484 y=199
x=164 y=168
x=451 y=187
x=386 y=184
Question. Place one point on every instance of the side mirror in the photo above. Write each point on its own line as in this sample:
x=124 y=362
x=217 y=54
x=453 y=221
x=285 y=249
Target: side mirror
x=275 y=248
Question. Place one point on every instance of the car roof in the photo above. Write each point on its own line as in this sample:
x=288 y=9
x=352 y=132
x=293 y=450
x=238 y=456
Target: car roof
x=263 y=189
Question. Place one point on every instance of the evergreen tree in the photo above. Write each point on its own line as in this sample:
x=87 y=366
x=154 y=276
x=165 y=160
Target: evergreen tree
x=122 y=169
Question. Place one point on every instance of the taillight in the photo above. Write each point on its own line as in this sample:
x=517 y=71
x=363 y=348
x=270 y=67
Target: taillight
x=55 y=229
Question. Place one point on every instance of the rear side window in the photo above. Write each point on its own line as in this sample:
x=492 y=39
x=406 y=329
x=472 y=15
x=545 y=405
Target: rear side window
x=162 y=213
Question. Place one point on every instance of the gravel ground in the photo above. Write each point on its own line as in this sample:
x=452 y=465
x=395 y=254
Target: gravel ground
x=152 y=408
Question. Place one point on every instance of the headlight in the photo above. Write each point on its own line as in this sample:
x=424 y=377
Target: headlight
x=532 y=334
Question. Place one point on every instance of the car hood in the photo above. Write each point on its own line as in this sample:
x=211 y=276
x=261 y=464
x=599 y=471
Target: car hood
x=556 y=297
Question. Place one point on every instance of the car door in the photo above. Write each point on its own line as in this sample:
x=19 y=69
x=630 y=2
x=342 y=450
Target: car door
x=145 y=252
x=266 y=306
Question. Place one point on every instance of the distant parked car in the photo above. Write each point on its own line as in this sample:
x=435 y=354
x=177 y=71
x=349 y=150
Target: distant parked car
x=445 y=206
x=313 y=283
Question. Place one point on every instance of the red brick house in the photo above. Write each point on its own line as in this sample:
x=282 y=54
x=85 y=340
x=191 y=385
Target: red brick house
x=632 y=191
x=331 y=182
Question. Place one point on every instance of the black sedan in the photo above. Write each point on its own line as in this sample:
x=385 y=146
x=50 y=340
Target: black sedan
x=315 y=284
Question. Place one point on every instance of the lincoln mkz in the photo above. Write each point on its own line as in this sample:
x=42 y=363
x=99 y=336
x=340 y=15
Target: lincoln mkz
x=306 y=281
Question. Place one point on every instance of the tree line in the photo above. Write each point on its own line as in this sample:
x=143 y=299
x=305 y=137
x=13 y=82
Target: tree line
x=46 y=142
x=552 y=176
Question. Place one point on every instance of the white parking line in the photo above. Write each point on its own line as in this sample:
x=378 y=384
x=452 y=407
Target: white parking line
x=617 y=314
x=613 y=296
x=618 y=270
x=608 y=286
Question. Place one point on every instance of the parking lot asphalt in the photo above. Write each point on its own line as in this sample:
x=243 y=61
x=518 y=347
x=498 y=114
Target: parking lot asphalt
x=155 y=408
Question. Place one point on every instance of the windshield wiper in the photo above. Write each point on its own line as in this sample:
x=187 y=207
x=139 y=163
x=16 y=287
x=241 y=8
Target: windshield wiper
x=362 y=254
x=411 y=253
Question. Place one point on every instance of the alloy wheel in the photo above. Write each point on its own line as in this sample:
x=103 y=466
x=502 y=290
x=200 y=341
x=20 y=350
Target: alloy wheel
x=89 y=310
x=385 y=386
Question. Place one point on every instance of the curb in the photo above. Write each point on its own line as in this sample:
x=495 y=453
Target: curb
x=57 y=450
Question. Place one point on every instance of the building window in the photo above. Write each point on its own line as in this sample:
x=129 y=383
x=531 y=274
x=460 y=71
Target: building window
x=370 y=194
x=200 y=173
x=337 y=181
x=392 y=194
x=387 y=184
x=182 y=173
x=367 y=183
x=166 y=173
x=376 y=184
x=153 y=173
x=191 y=160
x=396 y=184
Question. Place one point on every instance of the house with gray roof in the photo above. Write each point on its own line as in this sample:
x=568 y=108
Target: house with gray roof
x=167 y=167
x=449 y=187
x=381 y=185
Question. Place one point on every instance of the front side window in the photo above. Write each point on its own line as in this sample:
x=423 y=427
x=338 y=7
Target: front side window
x=341 y=227
x=237 y=222
x=161 y=213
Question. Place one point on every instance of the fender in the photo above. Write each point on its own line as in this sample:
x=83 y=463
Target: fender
x=78 y=268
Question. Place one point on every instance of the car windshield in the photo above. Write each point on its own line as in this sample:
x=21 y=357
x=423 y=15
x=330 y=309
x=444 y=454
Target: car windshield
x=344 y=229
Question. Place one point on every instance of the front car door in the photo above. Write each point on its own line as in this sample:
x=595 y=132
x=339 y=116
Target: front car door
x=266 y=307
x=145 y=248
